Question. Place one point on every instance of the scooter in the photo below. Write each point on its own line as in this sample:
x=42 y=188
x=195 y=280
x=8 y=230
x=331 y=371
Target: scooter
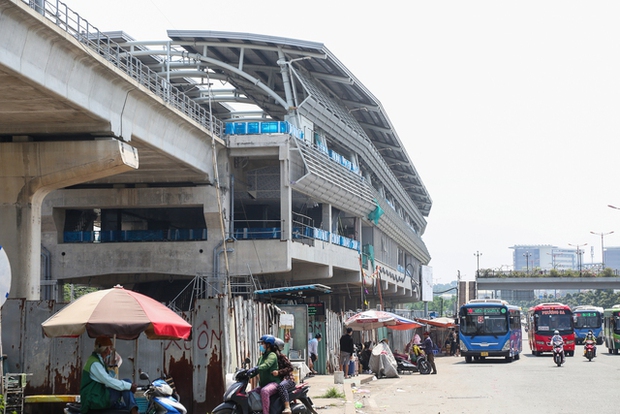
x=161 y=399
x=558 y=353
x=236 y=398
x=404 y=364
x=589 y=350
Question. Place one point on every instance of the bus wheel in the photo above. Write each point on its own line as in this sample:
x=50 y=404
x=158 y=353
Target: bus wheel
x=517 y=357
x=468 y=359
x=615 y=352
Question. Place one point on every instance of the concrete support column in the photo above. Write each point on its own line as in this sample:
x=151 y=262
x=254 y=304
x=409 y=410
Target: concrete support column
x=31 y=170
x=286 y=194
x=326 y=220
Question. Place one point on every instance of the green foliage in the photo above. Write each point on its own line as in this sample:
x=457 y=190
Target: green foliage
x=71 y=292
x=2 y=405
x=607 y=272
x=332 y=393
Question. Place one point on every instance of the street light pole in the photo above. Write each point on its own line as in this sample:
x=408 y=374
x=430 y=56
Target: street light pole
x=527 y=256
x=602 y=247
x=477 y=254
x=579 y=253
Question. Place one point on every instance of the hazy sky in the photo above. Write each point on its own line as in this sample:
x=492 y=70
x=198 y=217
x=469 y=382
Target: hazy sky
x=508 y=110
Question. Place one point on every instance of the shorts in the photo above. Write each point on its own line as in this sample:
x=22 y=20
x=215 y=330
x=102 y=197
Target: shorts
x=313 y=357
x=345 y=357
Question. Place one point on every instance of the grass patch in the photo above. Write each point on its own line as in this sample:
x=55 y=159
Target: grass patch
x=332 y=393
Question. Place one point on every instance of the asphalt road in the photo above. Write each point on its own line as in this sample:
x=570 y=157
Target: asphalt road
x=530 y=385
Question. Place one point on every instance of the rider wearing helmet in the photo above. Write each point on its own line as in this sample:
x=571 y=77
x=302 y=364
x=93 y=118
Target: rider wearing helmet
x=590 y=338
x=267 y=363
x=557 y=340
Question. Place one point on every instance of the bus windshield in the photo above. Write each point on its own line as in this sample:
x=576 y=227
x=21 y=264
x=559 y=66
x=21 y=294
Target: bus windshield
x=585 y=320
x=547 y=321
x=484 y=321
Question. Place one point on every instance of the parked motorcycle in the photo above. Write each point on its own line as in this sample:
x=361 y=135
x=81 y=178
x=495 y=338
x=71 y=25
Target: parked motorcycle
x=161 y=399
x=558 y=353
x=404 y=364
x=589 y=350
x=236 y=398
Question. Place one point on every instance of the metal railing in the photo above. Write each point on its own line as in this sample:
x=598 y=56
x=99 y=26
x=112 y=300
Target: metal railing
x=62 y=16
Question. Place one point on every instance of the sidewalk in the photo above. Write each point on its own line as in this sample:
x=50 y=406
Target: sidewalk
x=320 y=385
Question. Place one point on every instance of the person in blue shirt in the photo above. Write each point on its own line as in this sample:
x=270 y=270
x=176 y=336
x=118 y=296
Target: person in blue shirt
x=428 y=347
x=313 y=351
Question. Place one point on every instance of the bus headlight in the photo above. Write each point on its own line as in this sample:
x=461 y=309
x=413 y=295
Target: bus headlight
x=463 y=347
x=506 y=346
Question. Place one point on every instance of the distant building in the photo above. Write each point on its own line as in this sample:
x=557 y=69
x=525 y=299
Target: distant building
x=612 y=258
x=545 y=257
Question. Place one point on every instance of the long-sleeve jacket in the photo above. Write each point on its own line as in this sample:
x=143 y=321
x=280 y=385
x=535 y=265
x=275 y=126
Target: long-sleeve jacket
x=267 y=363
x=285 y=368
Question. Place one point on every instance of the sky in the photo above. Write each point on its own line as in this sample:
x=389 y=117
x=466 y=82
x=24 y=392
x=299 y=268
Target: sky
x=508 y=110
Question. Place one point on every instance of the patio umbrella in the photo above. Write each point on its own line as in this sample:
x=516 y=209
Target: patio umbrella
x=372 y=319
x=117 y=313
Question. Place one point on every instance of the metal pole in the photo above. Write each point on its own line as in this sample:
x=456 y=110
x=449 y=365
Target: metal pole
x=602 y=247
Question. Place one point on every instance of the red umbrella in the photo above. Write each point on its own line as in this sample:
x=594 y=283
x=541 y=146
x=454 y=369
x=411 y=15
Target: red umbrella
x=372 y=319
x=119 y=313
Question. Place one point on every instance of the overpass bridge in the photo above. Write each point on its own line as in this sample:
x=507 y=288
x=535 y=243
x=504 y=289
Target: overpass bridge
x=74 y=109
x=537 y=283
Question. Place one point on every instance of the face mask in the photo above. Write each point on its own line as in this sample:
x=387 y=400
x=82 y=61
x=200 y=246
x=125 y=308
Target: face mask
x=262 y=348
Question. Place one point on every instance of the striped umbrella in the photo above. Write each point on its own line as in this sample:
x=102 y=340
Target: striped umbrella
x=118 y=313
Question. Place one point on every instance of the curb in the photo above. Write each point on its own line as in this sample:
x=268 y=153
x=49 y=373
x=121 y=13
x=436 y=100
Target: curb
x=349 y=406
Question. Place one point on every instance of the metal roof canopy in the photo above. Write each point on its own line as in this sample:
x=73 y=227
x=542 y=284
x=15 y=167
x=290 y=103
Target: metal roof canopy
x=294 y=292
x=258 y=55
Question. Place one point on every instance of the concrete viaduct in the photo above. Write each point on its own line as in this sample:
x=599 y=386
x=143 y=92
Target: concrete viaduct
x=536 y=283
x=71 y=112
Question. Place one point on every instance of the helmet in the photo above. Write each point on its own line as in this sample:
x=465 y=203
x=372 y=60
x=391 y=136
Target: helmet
x=556 y=332
x=268 y=339
x=590 y=332
x=279 y=343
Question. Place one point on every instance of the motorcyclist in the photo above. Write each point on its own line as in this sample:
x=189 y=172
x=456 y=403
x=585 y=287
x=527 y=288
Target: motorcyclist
x=267 y=364
x=589 y=338
x=558 y=340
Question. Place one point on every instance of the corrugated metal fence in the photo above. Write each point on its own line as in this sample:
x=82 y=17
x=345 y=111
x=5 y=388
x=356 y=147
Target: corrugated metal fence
x=223 y=335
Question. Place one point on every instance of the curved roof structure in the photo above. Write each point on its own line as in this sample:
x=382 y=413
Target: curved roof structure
x=253 y=65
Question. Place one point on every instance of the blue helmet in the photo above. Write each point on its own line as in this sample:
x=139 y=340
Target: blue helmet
x=268 y=339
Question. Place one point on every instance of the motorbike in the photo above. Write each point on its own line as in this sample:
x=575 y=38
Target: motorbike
x=589 y=350
x=404 y=364
x=558 y=353
x=236 y=399
x=160 y=396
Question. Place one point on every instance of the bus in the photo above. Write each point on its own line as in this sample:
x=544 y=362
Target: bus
x=490 y=328
x=588 y=318
x=546 y=318
x=611 y=329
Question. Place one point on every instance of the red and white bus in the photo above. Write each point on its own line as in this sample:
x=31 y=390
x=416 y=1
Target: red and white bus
x=546 y=318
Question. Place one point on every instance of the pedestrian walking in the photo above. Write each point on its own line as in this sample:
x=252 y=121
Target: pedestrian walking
x=428 y=347
x=313 y=352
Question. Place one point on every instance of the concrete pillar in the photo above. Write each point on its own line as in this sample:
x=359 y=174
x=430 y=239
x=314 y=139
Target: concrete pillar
x=286 y=194
x=31 y=170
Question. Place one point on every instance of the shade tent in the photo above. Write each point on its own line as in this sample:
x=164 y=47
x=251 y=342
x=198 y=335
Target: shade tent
x=373 y=319
x=438 y=322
